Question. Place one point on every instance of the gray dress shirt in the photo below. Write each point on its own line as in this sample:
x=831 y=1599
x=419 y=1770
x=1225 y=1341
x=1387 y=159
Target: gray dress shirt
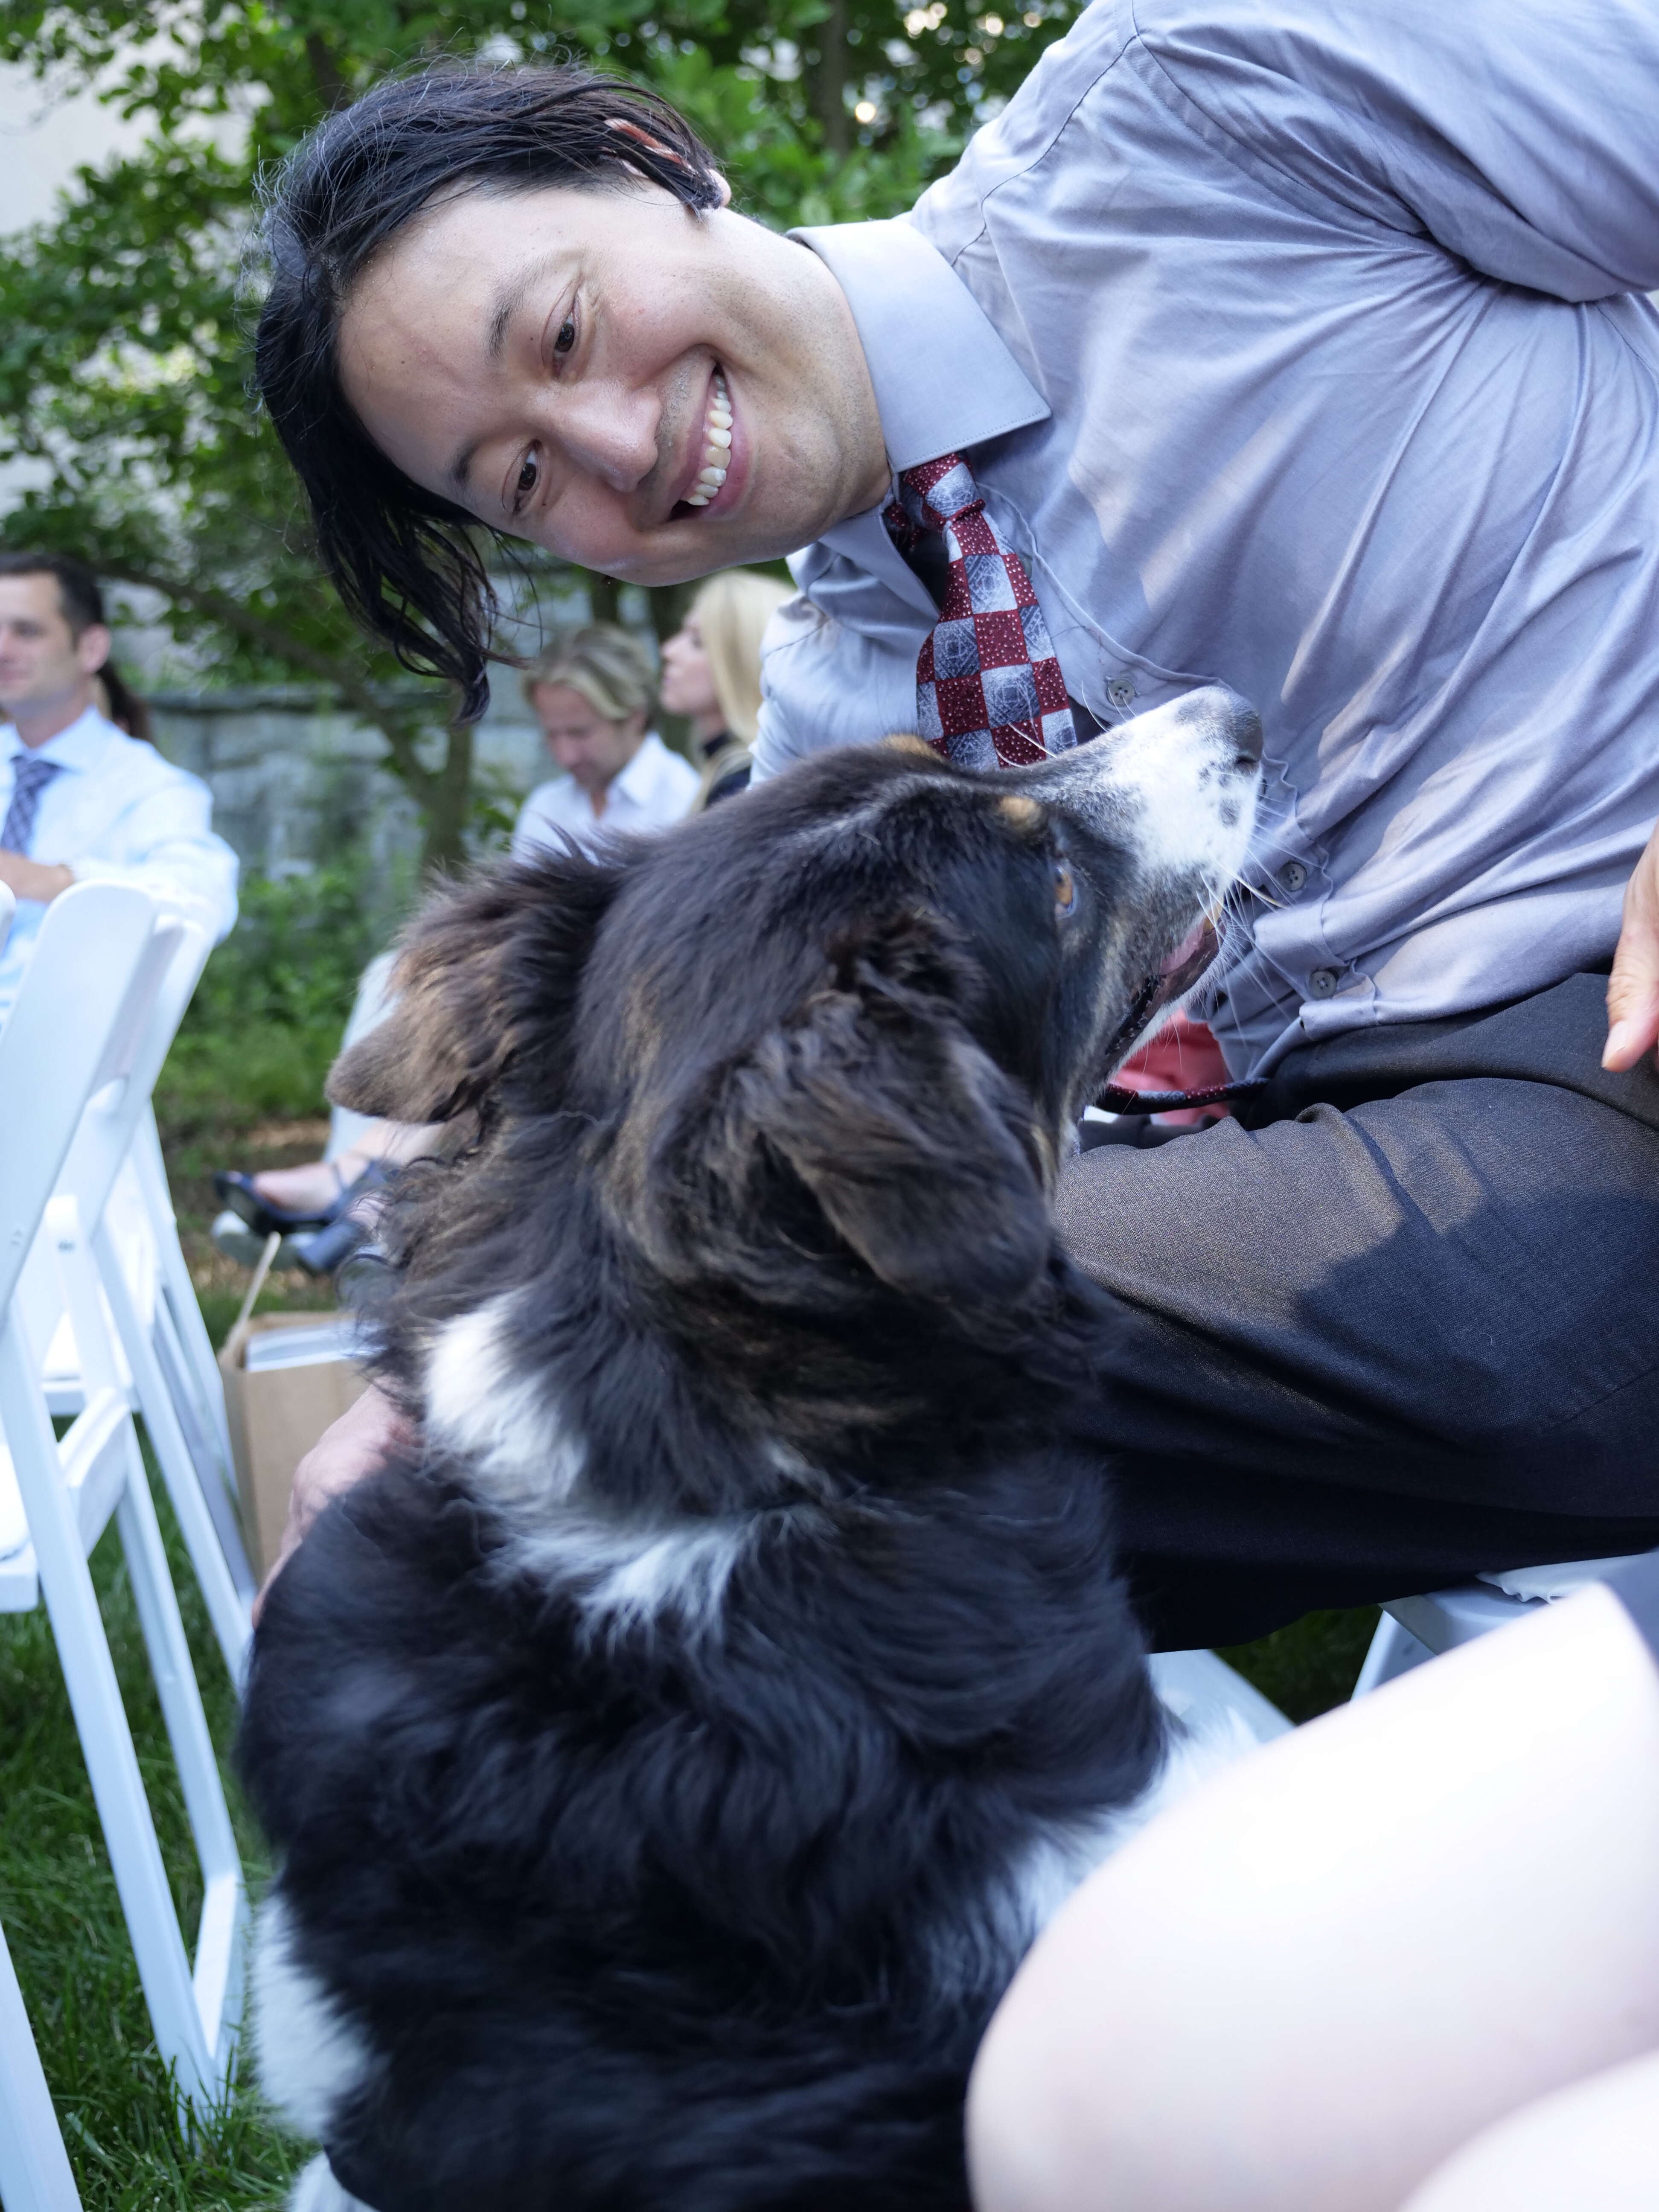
x=1301 y=345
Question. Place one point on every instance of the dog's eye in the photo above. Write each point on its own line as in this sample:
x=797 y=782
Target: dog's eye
x=1065 y=888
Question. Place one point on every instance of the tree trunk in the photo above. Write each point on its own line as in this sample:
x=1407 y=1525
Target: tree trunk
x=832 y=77
x=447 y=800
x=604 y=597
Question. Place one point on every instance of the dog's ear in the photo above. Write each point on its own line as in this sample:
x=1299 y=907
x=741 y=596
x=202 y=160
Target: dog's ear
x=484 y=965
x=917 y=1147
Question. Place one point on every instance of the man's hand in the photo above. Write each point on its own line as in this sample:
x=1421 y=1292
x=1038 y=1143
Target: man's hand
x=33 y=879
x=359 y=1443
x=1633 y=987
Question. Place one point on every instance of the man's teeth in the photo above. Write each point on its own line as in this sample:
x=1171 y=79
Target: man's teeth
x=716 y=446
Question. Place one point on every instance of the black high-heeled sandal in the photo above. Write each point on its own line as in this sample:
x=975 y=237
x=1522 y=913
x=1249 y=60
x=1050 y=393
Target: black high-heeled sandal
x=266 y=1219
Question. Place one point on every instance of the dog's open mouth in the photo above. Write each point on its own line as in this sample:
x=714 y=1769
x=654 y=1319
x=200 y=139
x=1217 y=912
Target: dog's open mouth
x=1178 y=972
x=1183 y=966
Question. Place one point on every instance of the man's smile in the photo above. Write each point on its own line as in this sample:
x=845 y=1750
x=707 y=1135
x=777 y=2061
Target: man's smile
x=715 y=468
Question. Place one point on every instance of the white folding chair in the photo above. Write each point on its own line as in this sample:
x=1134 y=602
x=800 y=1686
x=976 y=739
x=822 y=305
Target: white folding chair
x=1413 y=1629
x=74 y=1044
x=167 y=1362
x=34 y=2167
x=35 y=2170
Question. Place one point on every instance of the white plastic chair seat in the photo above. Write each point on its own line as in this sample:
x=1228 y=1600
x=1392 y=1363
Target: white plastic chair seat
x=1413 y=1629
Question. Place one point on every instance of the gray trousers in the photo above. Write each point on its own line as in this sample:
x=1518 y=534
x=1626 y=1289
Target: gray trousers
x=1397 y=1323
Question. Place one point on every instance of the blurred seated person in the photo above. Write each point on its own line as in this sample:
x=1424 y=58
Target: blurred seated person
x=711 y=672
x=593 y=691
x=81 y=799
x=361 y=1155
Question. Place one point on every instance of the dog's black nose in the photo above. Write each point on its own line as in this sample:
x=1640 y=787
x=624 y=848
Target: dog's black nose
x=1246 y=730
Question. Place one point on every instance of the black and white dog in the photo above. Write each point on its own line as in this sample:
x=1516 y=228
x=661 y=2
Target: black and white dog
x=669 y=1765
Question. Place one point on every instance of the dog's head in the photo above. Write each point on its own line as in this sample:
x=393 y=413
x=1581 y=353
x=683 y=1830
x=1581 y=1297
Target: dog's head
x=831 y=1040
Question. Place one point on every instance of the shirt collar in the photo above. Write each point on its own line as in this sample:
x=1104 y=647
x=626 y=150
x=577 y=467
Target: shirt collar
x=635 y=781
x=83 y=745
x=944 y=380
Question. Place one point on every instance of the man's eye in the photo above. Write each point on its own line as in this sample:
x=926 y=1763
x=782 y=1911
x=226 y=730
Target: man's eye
x=1065 y=888
x=567 y=337
x=529 y=475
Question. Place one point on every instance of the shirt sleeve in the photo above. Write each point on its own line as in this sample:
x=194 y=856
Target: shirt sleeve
x=1521 y=135
x=165 y=844
x=1636 y=1588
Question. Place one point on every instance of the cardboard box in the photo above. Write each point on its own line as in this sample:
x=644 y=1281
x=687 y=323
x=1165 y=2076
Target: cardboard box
x=277 y=1406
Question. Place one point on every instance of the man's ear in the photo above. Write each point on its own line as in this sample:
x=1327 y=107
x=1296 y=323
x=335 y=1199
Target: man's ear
x=915 y=1145
x=487 y=972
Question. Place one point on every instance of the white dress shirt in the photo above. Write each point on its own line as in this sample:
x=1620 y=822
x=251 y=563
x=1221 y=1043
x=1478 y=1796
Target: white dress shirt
x=655 y=789
x=119 y=813
x=1301 y=345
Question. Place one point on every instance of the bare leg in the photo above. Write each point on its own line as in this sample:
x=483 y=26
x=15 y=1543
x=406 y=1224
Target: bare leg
x=315 y=1184
x=1596 y=2144
x=1304 y=1988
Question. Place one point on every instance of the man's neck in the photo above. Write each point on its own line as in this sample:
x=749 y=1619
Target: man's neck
x=37 y=719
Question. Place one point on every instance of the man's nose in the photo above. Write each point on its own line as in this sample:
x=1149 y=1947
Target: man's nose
x=612 y=435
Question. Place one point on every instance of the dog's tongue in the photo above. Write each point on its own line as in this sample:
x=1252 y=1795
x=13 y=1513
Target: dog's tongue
x=1188 y=948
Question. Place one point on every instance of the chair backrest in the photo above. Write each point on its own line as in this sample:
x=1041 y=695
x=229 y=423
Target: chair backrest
x=80 y=1017
x=120 y=1107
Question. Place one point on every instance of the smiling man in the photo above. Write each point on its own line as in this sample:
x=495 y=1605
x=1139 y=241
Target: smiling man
x=1302 y=349
x=79 y=801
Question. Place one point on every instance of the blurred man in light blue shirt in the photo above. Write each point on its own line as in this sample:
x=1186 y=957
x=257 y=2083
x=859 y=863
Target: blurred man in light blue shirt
x=79 y=801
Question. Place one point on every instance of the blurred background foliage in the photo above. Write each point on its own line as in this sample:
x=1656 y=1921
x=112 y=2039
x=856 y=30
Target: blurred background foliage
x=123 y=322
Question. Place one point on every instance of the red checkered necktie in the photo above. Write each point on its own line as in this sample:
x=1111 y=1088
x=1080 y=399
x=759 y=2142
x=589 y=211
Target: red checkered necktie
x=989 y=693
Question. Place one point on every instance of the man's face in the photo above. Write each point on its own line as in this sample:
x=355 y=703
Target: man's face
x=40 y=658
x=582 y=741
x=561 y=364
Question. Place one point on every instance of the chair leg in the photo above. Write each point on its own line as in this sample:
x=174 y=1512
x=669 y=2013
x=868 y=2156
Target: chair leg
x=227 y=1610
x=101 y=1722
x=34 y=2167
x=178 y=1293
x=1393 y=1650
x=195 y=1421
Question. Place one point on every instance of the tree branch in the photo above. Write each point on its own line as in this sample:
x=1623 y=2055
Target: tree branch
x=341 y=678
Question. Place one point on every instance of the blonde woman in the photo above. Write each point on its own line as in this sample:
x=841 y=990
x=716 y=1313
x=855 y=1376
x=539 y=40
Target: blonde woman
x=592 y=692
x=711 y=672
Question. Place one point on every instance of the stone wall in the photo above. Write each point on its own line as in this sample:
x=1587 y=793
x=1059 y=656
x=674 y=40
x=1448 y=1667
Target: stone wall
x=293 y=788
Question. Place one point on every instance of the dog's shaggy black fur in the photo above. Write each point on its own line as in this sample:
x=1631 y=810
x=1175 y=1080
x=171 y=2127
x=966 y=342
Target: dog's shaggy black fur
x=668 y=1765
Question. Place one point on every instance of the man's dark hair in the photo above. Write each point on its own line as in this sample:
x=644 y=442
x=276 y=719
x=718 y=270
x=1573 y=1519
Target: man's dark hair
x=400 y=557
x=77 y=588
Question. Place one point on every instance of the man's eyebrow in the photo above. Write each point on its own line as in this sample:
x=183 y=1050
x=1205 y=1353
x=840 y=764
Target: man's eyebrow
x=508 y=301
x=511 y=298
x=461 y=464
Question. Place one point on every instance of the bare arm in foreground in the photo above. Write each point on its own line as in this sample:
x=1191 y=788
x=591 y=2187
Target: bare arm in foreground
x=1303 y=1989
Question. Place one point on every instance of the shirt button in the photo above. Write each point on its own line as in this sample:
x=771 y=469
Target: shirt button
x=1121 y=692
x=1293 y=875
x=1322 y=982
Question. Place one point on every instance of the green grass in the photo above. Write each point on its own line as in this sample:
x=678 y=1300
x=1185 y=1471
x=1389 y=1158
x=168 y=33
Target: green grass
x=67 y=1938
